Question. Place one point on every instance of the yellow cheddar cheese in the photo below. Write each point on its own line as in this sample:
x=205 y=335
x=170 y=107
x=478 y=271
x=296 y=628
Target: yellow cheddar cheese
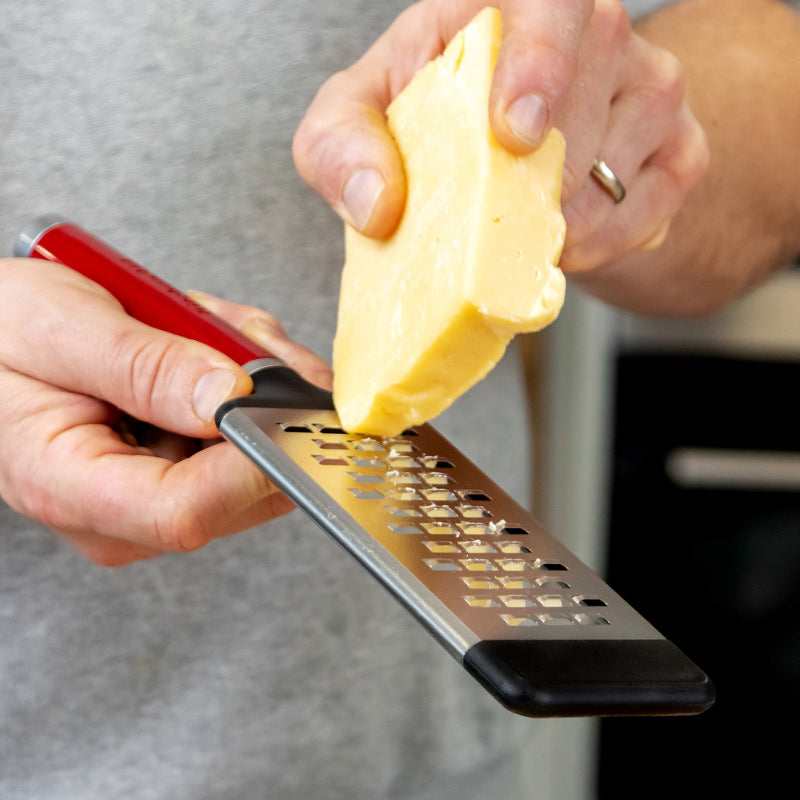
x=427 y=313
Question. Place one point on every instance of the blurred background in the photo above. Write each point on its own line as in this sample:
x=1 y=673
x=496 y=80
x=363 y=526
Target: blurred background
x=667 y=456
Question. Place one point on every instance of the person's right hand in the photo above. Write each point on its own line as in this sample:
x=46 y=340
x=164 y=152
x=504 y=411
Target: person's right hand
x=79 y=379
x=576 y=65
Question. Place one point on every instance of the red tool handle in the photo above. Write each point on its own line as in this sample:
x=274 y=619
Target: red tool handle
x=143 y=295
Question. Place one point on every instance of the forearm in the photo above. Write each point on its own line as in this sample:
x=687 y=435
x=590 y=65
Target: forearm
x=742 y=221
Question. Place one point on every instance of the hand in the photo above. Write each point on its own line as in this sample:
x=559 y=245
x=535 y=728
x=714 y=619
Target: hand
x=107 y=424
x=575 y=65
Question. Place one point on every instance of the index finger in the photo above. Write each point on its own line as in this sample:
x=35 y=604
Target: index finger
x=536 y=67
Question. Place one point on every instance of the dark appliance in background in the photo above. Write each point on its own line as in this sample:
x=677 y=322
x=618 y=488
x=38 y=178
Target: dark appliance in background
x=704 y=538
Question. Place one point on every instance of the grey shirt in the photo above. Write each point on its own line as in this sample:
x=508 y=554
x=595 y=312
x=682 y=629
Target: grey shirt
x=267 y=665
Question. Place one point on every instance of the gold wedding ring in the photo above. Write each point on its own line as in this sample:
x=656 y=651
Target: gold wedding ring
x=605 y=176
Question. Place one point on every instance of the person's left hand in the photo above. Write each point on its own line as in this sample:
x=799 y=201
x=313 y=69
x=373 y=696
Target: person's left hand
x=574 y=65
x=108 y=424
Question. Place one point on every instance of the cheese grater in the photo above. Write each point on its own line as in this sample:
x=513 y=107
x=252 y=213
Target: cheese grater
x=535 y=626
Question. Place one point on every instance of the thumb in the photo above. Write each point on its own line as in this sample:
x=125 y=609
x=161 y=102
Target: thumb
x=344 y=151
x=173 y=383
x=179 y=385
x=99 y=351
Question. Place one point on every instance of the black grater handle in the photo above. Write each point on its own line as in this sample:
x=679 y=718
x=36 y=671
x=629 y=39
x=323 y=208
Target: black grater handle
x=576 y=678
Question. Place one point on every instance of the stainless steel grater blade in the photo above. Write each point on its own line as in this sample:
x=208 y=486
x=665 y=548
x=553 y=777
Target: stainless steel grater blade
x=540 y=630
x=537 y=628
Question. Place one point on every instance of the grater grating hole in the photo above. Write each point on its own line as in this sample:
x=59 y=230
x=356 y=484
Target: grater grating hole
x=516 y=583
x=583 y=619
x=436 y=478
x=478 y=601
x=551 y=584
x=330 y=461
x=360 y=477
x=478 y=547
x=517 y=601
x=477 y=584
x=474 y=496
x=361 y=461
x=514 y=548
x=513 y=565
x=405 y=495
x=436 y=511
x=514 y=530
x=442 y=564
x=479 y=564
x=325 y=445
x=557 y=619
x=363 y=494
x=515 y=622
x=434 y=462
x=594 y=602
x=438 y=494
x=402 y=511
x=474 y=512
x=402 y=478
x=476 y=529
x=368 y=445
x=405 y=529
x=439 y=528
x=400 y=446
x=441 y=547
x=554 y=601
x=401 y=462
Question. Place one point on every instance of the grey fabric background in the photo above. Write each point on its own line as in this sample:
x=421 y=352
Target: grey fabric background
x=267 y=665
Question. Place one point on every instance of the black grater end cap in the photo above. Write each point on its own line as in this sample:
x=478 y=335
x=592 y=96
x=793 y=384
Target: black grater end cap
x=590 y=678
x=277 y=386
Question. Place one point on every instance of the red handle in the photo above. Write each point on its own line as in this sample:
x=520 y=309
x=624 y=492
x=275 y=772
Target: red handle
x=143 y=295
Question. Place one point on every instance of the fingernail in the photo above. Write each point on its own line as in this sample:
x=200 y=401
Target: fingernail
x=527 y=118
x=211 y=390
x=361 y=193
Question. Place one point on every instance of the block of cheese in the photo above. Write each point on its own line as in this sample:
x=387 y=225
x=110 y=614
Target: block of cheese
x=426 y=313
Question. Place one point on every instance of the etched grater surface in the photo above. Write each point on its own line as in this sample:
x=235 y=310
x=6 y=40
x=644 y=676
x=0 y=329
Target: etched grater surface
x=470 y=561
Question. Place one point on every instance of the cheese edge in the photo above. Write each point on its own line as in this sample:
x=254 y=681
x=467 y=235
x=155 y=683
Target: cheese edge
x=417 y=397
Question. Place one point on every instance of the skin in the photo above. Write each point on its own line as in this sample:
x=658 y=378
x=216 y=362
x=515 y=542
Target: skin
x=741 y=222
x=81 y=465
x=671 y=105
x=608 y=90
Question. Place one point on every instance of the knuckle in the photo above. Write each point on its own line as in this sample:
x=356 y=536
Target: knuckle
x=263 y=328
x=699 y=152
x=35 y=501
x=150 y=370
x=268 y=321
x=554 y=64
x=303 y=144
x=179 y=528
x=612 y=23
x=29 y=486
x=311 y=138
x=687 y=157
x=110 y=554
x=667 y=81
